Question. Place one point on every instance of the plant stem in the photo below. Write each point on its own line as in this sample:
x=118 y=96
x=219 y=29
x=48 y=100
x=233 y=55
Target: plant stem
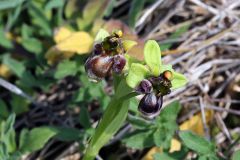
x=111 y=121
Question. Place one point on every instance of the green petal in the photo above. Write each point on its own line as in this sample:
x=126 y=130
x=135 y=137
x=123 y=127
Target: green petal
x=102 y=33
x=137 y=73
x=179 y=80
x=152 y=56
x=128 y=44
x=166 y=67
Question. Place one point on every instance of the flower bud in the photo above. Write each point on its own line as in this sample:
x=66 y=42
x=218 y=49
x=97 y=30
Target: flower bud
x=98 y=49
x=98 y=67
x=119 y=62
x=150 y=105
x=144 y=87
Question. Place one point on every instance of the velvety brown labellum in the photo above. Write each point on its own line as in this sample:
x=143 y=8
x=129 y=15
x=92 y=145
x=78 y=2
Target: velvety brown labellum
x=98 y=67
x=119 y=62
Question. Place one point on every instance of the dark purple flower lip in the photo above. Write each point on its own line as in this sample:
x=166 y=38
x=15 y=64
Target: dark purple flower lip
x=154 y=89
x=144 y=87
x=150 y=105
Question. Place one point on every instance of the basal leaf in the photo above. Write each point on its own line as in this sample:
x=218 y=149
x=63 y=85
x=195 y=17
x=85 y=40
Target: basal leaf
x=152 y=56
x=139 y=139
x=67 y=134
x=65 y=68
x=8 y=133
x=15 y=66
x=179 y=80
x=35 y=139
x=196 y=143
x=84 y=118
x=137 y=73
x=54 y=4
x=6 y=4
x=32 y=45
x=4 y=41
x=93 y=10
x=3 y=151
x=3 y=109
x=39 y=19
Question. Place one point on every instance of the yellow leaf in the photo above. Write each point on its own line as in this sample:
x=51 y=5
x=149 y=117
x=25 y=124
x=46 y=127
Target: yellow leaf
x=151 y=152
x=53 y=55
x=79 y=42
x=4 y=71
x=61 y=34
x=175 y=145
x=195 y=123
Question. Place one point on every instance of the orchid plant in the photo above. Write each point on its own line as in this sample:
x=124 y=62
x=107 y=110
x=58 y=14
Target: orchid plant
x=131 y=77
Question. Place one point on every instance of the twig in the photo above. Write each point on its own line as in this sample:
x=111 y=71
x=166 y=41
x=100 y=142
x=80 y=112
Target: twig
x=206 y=130
x=12 y=88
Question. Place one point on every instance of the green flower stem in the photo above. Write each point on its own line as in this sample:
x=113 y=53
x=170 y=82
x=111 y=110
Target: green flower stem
x=112 y=120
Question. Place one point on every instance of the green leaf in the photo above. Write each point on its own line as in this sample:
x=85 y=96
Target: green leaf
x=32 y=45
x=208 y=157
x=138 y=122
x=8 y=133
x=197 y=143
x=4 y=41
x=136 y=8
x=170 y=112
x=3 y=151
x=19 y=105
x=3 y=109
x=6 y=4
x=128 y=44
x=110 y=8
x=66 y=68
x=137 y=73
x=139 y=139
x=84 y=118
x=102 y=33
x=39 y=19
x=159 y=132
x=35 y=139
x=112 y=120
x=166 y=67
x=67 y=134
x=152 y=56
x=54 y=4
x=130 y=60
x=17 y=67
x=166 y=125
x=93 y=10
x=179 y=80
x=236 y=155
